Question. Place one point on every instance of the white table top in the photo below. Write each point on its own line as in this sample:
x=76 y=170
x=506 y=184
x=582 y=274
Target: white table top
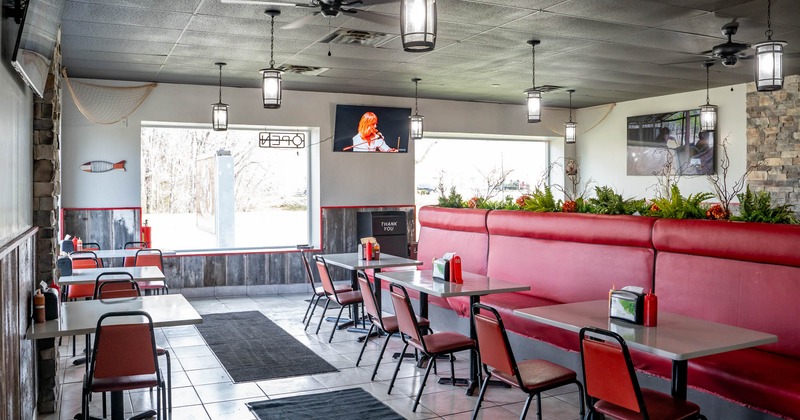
x=676 y=337
x=474 y=284
x=77 y=318
x=122 y=253
x=89 y=275
x=352 y=261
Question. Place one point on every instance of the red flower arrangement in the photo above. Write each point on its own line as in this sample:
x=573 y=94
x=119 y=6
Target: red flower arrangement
x=521 y=200
x=654 y=208
x=473 y=202
x=716 y=212
x=569 y=207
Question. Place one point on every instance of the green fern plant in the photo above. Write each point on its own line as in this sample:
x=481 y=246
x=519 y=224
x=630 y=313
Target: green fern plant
x=542 y=200
x=757 y=207
x=607 y=201
x=677 y=206
x=452 y=200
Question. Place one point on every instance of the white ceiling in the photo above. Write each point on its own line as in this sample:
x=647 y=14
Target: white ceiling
x=608 y=50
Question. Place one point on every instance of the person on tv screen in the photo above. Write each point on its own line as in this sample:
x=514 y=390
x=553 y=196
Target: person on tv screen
x=368 y=138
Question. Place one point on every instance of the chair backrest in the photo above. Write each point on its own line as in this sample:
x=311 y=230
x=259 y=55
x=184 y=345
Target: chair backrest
x=306 y=264
x=325 y=277
x=493 y=345
x=406 y=320
x=93 y=246
x=109 y=289
x=608 y=370
x=149 y=257
x=132 y=245
x=368 y=295
x=84 y=259
x=124 y=349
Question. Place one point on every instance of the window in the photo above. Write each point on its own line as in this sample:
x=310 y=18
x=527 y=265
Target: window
x=484 y=167
x=203 y=189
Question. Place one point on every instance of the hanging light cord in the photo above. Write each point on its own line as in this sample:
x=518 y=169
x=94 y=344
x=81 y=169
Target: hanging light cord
x=416 y=96
x=533 y=64
x=707 y=99
x=272 y=44
x=768 y=33
x=220 y=83
x=570 y=107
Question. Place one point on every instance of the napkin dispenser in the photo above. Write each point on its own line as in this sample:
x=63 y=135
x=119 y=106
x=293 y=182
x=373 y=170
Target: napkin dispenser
x=448 y=268
x=64 y=265
x=441 y=269
x=627 y=305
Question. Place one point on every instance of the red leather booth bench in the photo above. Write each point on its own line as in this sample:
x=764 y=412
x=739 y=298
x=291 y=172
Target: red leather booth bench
x=742 y=274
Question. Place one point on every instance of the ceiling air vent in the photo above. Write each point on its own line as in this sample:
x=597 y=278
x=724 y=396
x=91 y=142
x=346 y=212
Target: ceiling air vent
x=351 y=36
x=304 y=70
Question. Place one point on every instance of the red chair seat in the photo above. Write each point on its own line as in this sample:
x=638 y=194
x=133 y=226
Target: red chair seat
x=124 y=383
x=444 y=342
x=660 y=406
x=390 y=323
x=320 y=291
x=348 y=298
x=537 y=374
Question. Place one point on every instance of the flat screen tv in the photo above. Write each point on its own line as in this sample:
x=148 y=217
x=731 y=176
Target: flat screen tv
x=371 y=129
x=36 y=41
x=670 y=141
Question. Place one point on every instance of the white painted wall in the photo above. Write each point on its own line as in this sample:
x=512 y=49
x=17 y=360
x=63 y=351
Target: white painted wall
x=345 y=179
x=602 y=150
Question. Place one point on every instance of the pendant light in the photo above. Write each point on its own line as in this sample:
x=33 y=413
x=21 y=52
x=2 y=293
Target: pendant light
x=769 y=59
x=708 y=112
x=418 y=25
x=570 y=128
x=271 y=77
x=416 y=119
x=219 y=110
x=533 y=95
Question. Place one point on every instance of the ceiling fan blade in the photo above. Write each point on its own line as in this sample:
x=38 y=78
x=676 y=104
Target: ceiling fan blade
x=378 y=18
x=365 y=3
x=299 y=23
x=262 y=2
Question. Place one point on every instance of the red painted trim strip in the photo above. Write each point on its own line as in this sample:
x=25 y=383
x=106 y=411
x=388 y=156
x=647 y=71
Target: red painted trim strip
x=367 y=207
x=233 y=252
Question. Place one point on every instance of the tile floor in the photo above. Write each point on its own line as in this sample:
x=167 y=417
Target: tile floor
x=203 y=390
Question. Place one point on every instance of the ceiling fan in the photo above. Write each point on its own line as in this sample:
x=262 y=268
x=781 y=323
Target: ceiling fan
x=729 y=53
x=330 y=9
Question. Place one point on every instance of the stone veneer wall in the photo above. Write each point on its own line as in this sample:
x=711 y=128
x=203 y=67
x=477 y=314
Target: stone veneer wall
x=46 y=193
x=773 y=141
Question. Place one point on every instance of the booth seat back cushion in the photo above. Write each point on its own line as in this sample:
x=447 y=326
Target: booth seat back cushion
x=462 y=231
x=570 y=257
x=741 y=274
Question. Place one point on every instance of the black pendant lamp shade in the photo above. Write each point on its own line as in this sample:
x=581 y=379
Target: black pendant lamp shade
x=418 y=25
x=219 y=110
x=570 y=128
x=271 y=77
x=416 y=119
x=533 y=97
x=708 y=112
x=769 y=59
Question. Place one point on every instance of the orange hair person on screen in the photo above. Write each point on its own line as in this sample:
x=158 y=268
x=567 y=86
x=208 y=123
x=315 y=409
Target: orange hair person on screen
x=369 y=139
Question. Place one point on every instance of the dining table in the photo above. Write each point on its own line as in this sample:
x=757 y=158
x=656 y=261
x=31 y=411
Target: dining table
x=353 y=261
x=675 y=337
x=474 y=286
x=80 y=318
x=89 y=275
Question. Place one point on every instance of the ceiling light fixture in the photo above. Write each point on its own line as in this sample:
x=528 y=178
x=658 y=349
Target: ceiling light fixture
x=533 y=95
x=708 y=112
x=570 y=128
x=416 y=119
x=271 y=77
x=769 y=59
x=418 y=25
x=219 y=110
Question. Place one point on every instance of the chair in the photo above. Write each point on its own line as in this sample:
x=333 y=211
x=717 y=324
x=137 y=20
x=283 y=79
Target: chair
x=317 y=292
x=132 y=245
x=431 y=345
x=111 y=289
x=352 y=297
x=151 y=257
x=387 y=324
x=124 y=358
x=612 y=387
x=93 y=246
x=81 y=259
x=531 y=376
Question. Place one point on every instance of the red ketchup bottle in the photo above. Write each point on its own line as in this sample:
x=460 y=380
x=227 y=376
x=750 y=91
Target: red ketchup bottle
x=650 y=310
